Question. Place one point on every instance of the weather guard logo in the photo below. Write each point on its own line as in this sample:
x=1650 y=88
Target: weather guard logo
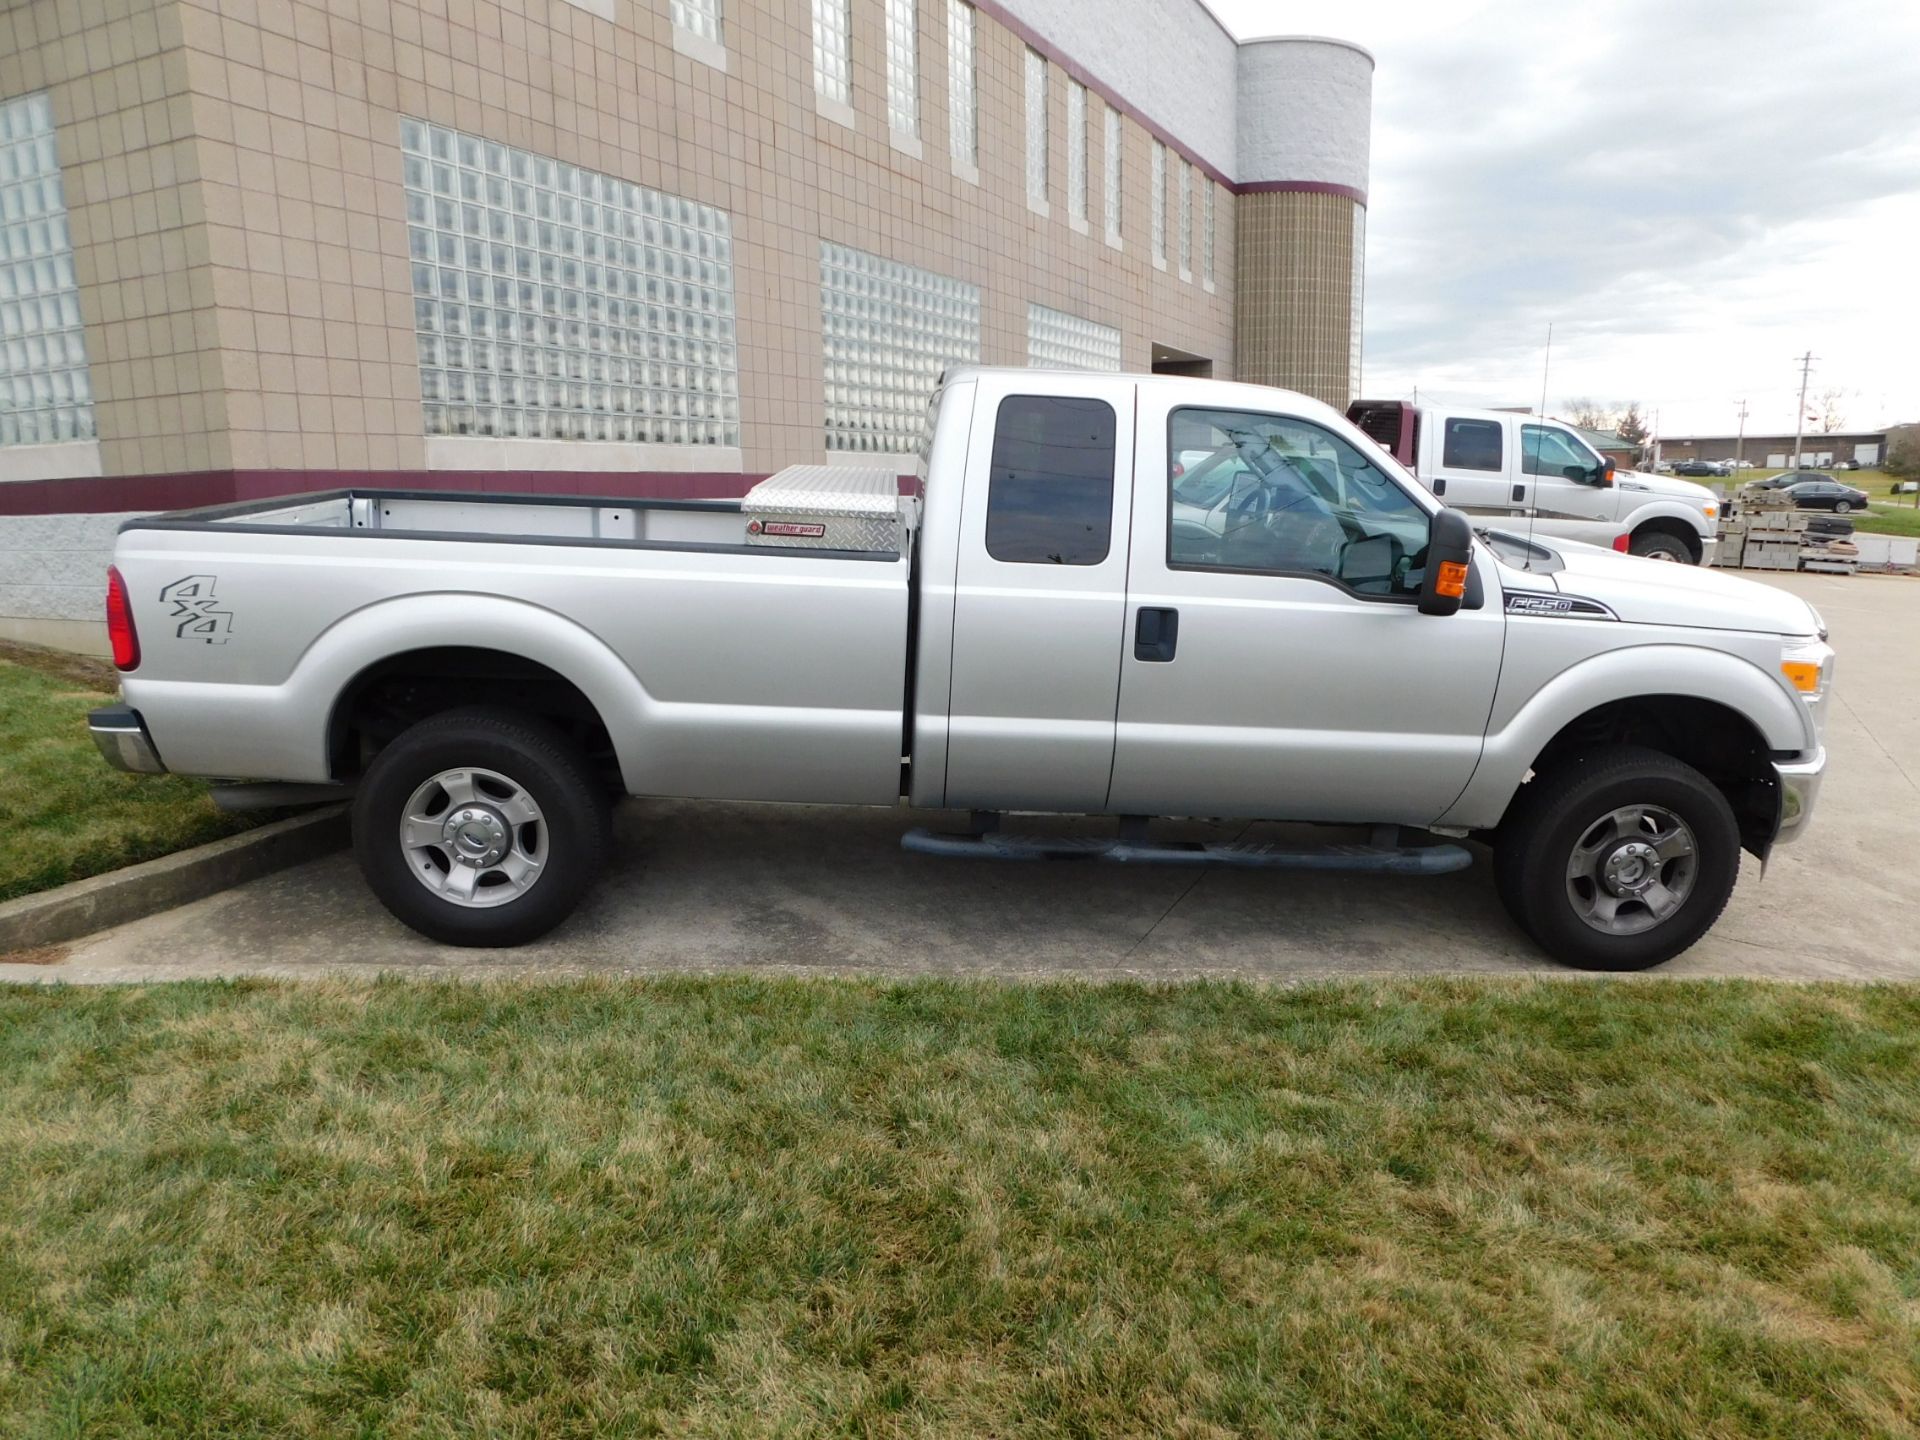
x=192 y=600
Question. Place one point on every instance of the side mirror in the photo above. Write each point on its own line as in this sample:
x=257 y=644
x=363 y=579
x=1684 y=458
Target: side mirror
x=1603 y=475
x=1582 y=473
x=1449 y=561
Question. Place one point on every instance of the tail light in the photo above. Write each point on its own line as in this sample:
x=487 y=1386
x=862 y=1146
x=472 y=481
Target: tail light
x=126 y=640
x=1623 y=542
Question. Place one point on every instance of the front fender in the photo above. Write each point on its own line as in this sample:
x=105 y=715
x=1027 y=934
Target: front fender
x=1637 y=672
x=279 y=732
x=1655 y=509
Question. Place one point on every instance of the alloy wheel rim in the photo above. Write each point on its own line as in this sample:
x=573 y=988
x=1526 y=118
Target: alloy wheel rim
x=476 y=838
x=1632 y=869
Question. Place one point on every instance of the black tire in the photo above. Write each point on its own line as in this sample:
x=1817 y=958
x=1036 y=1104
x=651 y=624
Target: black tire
x=1660 y=545
x=575 y=823
x=1558 y=809
x=1842 y=507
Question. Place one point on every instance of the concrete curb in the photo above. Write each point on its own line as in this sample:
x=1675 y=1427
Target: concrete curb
x=112 y=899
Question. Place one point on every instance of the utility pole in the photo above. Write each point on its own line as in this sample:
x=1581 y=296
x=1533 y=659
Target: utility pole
x=1800 y=415
x=1740 y=440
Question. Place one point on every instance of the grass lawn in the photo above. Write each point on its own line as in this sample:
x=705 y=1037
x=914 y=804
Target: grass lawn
x=782 y=1208
x=68 y=814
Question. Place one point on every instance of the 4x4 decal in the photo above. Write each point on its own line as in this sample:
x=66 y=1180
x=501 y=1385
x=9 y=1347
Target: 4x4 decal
x=193 y=600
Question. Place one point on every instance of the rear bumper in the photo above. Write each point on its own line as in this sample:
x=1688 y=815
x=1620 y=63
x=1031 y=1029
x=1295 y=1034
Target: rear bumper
x=122 y=738
x=1799 y=789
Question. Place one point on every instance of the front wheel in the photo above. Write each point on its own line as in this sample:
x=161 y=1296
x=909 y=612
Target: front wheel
x=1842 y=507
x=1659 y=545
x=1618 y=860
x=480 y=827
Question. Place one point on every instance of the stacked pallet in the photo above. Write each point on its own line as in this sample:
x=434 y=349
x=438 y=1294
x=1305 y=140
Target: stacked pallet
x=1763 y=531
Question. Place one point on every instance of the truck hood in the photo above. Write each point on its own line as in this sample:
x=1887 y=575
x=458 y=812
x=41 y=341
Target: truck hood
x=1667 y=487
x=1653 y=592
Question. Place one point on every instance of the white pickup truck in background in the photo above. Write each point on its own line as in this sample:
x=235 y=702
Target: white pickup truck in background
x=1135 y=596
x=1539 y=477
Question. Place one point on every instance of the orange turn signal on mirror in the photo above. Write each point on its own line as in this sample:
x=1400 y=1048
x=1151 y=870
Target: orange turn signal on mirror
x=1452 y=579
x=1804 y=674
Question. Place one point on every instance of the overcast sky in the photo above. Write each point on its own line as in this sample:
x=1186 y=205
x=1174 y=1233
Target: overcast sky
x=1692 y=191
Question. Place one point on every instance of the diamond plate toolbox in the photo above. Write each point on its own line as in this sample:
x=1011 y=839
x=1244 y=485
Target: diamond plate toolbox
x=828 y=507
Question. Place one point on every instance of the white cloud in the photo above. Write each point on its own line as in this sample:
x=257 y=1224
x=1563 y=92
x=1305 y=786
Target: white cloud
x=1692 y=193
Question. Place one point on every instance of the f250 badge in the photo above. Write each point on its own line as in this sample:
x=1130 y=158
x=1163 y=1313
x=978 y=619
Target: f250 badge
x=1522 y=602
x=193 y=603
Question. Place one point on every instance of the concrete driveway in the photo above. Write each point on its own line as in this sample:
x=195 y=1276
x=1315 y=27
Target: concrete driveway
x=707 y=887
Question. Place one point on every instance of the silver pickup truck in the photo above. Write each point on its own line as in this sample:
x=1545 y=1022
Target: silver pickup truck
x=1133 y=596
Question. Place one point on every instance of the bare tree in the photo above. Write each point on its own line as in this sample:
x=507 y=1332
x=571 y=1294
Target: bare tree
x=1589 y=414
x=1829 y=410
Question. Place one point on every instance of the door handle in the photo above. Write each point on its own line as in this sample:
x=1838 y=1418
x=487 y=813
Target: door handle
x=1519 y=493
x=1439 y=487
x=1155 y=634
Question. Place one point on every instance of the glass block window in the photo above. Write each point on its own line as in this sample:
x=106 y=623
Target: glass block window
x=887 y=331
x=833 y=50
x=1077 y=150
x=1036 y=129
x=963 y=96
x=1113 y=175
x=1186 y=220
x=903 y=66
x=1059 y=341
x=1357 y=317
x=701 y=17
x=1206 y=234
x=46 y=393
x=1159 y=218
x=557 y=303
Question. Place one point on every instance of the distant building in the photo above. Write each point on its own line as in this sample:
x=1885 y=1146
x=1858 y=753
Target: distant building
x=1864 y=447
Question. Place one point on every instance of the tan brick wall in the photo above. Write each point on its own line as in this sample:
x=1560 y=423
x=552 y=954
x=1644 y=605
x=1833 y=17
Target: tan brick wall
x=118 y=79
x=234 y=175
x=1295 y=281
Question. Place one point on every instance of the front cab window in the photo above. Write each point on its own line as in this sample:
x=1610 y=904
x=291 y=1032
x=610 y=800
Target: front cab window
x=1270 y=494
x=1556 y=454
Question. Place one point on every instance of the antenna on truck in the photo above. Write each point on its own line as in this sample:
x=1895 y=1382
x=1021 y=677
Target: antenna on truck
x=1533 y=505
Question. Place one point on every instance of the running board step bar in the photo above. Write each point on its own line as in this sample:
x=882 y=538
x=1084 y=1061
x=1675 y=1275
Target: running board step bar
x=1378 y=858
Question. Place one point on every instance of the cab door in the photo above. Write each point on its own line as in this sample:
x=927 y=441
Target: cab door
x=1280 y=667
x=1040 y=596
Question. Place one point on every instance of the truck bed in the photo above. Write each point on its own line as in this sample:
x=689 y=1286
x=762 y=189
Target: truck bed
x=725 y=661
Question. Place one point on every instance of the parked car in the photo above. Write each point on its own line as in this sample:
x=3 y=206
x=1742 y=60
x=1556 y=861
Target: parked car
x=1703 y=468
x=1525 y=473
x=1052 y=625
x=1828 y=495
x=1792 y=477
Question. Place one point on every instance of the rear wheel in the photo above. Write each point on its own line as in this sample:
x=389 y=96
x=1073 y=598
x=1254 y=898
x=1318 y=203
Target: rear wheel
x=480 y=827
x=1842 y=507
x=1661 y=545
x=1618 y=860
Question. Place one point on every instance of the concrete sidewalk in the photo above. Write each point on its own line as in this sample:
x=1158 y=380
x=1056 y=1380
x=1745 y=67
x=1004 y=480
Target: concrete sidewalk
x=707 y=887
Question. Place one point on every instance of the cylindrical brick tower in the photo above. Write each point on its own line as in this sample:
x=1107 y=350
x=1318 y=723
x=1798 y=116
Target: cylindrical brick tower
x=1305 y=109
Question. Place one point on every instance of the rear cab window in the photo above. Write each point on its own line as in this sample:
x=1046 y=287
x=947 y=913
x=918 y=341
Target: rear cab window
x=1473 y=445
x=1050 y=484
